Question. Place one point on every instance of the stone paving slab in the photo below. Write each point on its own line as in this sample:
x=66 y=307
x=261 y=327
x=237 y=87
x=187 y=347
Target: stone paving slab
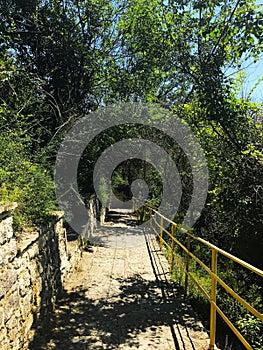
x=122 y=298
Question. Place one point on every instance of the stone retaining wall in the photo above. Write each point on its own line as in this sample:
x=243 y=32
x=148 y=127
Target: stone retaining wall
x=96 y=218
x=33 y=267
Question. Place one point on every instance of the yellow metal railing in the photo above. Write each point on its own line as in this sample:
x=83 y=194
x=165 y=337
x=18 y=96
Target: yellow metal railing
x=158 y=225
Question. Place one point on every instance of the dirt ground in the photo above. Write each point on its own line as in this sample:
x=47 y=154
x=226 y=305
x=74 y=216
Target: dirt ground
x=121 y=297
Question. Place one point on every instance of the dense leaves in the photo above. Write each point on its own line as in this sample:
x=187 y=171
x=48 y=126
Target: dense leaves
x=28 y=184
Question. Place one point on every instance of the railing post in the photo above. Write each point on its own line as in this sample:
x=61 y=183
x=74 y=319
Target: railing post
x=150 y=213
x=213 y=301
x=151 y=217
x=161 y=232
x=187 y=265
x=172 y=250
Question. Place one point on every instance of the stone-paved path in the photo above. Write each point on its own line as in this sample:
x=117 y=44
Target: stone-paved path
x=122 y=298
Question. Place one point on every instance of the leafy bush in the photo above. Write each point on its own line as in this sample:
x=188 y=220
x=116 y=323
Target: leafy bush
x=251 y=327
x=22 y=181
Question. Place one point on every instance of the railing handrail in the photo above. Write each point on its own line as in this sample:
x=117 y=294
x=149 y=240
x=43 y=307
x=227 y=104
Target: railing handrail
x=211 y=271
x=212 y=246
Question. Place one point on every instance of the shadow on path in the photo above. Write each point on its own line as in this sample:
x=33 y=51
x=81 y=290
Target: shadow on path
x=118 y=216
x=139 y=313
x=84 y=323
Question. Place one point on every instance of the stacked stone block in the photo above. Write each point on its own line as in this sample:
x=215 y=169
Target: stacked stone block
x=33 y=266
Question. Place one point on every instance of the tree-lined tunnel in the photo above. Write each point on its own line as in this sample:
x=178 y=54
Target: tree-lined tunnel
x=131 y=98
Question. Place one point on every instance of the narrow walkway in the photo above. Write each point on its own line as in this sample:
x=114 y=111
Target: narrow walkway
x=122 y=298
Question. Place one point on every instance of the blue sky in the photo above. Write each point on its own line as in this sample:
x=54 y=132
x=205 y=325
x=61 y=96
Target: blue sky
x=253 y=73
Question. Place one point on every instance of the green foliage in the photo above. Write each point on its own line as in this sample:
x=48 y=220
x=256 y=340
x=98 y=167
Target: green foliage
x=232 y=216
x=104 y=191
x=23 y=110
x=24 y=182
x=252 y=328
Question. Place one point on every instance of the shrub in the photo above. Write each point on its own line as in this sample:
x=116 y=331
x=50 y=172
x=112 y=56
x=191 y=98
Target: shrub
x=24 y=182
